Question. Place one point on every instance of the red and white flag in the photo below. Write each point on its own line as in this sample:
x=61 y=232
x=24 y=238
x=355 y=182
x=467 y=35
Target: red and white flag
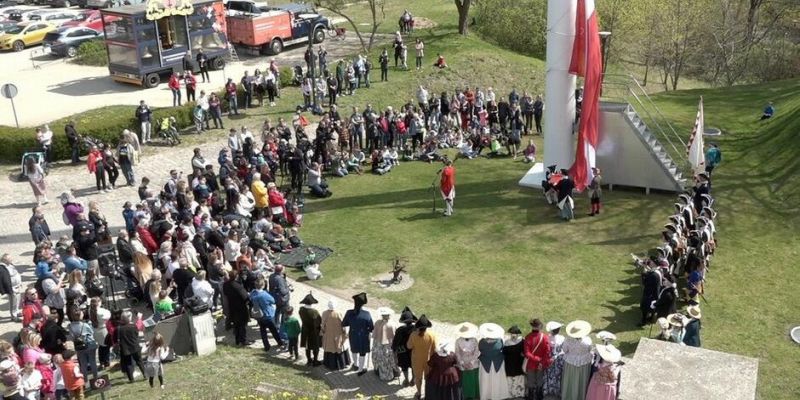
x=694 y=149
x=587 y=62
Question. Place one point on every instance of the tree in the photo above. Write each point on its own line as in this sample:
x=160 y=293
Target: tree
x=376 y=8
x=463 y=15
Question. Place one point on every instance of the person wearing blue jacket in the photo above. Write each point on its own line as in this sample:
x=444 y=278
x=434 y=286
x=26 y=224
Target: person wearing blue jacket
x=262 y=300
x=361 y=326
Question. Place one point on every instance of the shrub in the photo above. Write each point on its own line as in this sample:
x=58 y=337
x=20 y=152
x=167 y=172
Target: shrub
x=92 y=53
x=286 y=77
x=105 y=124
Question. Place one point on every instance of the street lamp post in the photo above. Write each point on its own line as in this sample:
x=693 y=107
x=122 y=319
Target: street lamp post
x=311 y=70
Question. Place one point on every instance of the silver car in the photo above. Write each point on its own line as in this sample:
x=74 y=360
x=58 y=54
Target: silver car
x=65 y=41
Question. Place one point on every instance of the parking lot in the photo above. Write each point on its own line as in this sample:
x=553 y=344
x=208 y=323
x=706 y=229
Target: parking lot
x=52 y=88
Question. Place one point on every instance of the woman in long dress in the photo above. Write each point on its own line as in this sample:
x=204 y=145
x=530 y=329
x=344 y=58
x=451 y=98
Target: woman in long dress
x=422 y=344
x=467 y=354
x=603 y=385
x=442 y=381
x=492 y=374
x=577 y=361
x=382 y=337
x=513 y=349
x=399 y=348
x=552 y=376
x=335 y=357
x=35 y=175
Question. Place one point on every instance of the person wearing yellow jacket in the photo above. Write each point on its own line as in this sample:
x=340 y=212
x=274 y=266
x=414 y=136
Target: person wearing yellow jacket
x=259 y=191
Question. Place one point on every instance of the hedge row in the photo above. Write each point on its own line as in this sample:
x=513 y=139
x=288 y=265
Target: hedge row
x=104 y=123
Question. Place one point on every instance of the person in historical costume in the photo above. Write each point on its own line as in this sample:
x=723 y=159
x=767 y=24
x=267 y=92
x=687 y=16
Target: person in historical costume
x=536 y=349
x=667 y=297
x=492 y=374
x=334 y=356
x=310 y=331
x=513 y=358
x=552 y=376
x=651 y=286
x=603 y=385
x=693 y=326
x=577 y=361
x=565 y=203
x=422 y=344
x=466 y=350
x=447 y=185
x=442 y=382
x=401 y=335
x=549 y=185
x=360 y=323
x=595 y=191
x=382 y=355
x=703 y=187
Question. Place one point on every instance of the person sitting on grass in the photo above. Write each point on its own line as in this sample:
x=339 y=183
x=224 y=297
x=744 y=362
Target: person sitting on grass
x=495 y=146
x=529 y=153
x=429 y=153
x=380 y=165
x=440 y=63
x=315 y=182
x=339 y=165
x=769 y=110
x=359 y=156
x=465 y=150
x=391 y=156
x=352 y=162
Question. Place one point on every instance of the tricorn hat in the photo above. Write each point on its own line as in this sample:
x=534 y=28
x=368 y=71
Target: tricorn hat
x=309 y=300
x=407 y=316
x=360 y=299
x=514 y=330
x=552 y=168
x=423 y=322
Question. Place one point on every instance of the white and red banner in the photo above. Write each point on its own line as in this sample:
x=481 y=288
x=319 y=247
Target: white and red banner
x=694 y=149
x=587 y=62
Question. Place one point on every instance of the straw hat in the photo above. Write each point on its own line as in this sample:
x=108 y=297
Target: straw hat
x=578 y=329
x=676 y=319
x=385 y=311
x=466 y=330
x=491 y=330
x=553 y=325
x=606 y=336
x=694 y=312
x=609 y=352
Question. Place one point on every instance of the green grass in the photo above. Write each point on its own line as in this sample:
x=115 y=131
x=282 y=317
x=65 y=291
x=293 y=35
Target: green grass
x=227 y=374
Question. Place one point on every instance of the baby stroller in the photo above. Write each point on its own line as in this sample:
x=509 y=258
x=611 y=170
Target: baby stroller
x=111 y=268
x=38 y=158
x=297 y=75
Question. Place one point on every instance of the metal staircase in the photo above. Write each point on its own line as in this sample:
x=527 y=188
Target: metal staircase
x=232 y=56
x=653 y=129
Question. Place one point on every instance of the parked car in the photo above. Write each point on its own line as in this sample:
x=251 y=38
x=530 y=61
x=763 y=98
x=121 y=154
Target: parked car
x=25 y=34
x=55 y=17
x=65 y=41
x=65 y=3
x=236 y=7
x=87 y=19
x=4 y=25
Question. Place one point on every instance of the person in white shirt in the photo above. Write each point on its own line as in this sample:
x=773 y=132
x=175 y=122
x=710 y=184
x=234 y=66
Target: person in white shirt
x=45 y=138
x=156 y=352
x=391 y=156
x=202 y=101
x=422 y=97
x=234 y=141
x=202 y=289
x=31 y=381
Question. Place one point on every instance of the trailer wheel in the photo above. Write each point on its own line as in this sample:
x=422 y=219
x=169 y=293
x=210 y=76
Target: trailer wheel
x=151 y=80
x=275 y=46
x=218 y=63
x=319 y=35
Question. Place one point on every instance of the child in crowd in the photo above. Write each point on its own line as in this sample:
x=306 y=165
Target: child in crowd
x=73 y=378
x=58 y=378
x=9 y=374
x=45 y=367
x=311 y=267
x=295 y=217
x=31 y=380
x=164 y=306
x=156 y=353
x=292 y=332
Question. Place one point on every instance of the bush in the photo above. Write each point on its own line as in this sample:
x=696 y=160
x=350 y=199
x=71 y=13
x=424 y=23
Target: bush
x=286 y=75
x=105 y=124
x=92 y=53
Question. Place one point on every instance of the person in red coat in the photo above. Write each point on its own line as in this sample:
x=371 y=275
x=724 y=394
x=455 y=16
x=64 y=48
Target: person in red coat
x=147 y=238
x=175 y=86
x=448 y=186
x=277 y=203
x=537 y=352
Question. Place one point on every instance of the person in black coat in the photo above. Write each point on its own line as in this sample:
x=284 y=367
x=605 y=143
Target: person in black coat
x=564 y=188
x=666 y=303
x=238 y=308
x=53 y=335
x=74 y=140
x=651 y=286
x=127 y=336
x=182 y=277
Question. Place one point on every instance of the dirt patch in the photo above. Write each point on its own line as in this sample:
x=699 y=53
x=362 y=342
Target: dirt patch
x=423 y=23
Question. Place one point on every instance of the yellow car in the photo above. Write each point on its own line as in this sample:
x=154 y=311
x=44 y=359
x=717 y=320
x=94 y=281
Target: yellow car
x=18 y=37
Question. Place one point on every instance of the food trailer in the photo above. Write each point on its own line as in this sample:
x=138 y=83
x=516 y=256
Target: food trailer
x=147 y=42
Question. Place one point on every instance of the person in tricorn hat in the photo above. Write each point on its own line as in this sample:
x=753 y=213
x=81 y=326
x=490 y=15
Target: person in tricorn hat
x=401 y=335
x=595 y=191
x=361 y=326
x=538 y=355
x=701 y=188
x=310 y=331
x=565 y=201
x=548 y=188
x=422 y=344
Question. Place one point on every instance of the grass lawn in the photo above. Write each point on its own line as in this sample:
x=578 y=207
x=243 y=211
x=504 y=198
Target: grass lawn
x=230 y=373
